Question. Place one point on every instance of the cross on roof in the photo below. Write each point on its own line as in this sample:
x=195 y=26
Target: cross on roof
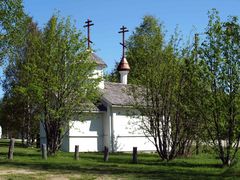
x=123 y=29
x=88 y=25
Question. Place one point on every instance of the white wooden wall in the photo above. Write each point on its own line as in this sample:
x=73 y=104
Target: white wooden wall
x=127 y=133
x=95 y=132
x=88 y=134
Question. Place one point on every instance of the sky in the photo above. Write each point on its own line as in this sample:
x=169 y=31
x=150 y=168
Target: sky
x=109 y=15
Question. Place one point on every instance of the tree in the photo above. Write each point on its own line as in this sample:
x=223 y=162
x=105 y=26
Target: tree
x=49 y=75
x=147 y=36
x=62 y=77
x=10 y=125
x=17 y=32
x=12 y=25
x=220 y=103
x=145 y=43
x=18 y=80
x=165 y=83
x=114 y=75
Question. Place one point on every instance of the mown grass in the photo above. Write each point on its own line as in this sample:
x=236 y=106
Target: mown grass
x=91 y=166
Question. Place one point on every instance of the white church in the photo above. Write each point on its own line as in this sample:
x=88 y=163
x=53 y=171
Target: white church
x=110 y=124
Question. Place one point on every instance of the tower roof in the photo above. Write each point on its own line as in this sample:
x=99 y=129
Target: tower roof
x=123 y=65
x=97 y=59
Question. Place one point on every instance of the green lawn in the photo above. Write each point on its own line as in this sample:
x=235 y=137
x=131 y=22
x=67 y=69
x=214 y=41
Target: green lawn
x=27 y=164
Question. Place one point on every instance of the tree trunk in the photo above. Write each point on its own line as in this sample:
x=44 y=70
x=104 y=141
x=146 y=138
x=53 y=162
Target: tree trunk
x=38 y=141
x=44 y=151
x=22 y=136
x=11 y=149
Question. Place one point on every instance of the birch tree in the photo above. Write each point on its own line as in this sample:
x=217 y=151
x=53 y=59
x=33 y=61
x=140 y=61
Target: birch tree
x=63 y=78
x=164 y=88
x=220 y=54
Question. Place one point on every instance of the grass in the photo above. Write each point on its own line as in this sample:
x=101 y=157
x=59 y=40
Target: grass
x=27 y=164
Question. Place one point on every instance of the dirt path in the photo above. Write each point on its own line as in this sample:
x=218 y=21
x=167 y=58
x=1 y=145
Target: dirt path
x=16 y=171
x=38 y=174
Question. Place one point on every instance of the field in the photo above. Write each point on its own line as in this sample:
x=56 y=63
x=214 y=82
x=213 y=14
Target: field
x=27 y=164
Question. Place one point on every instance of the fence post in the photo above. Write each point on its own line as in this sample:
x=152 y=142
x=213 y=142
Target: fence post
x=134 y=155
x=11 y=149
x=106 y=153
x=44 y=151
x=76 y=154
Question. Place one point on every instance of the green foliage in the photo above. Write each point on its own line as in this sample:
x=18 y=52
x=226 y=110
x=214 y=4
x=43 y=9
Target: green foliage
x=166 y=79
x=143 y=46
x=114 y=75
x=12 y=26
x=62 y=78
x=20 y=107
x=49 y=75
x=221 y=72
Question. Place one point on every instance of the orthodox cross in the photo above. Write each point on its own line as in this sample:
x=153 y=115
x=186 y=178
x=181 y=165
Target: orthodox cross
x=88 y=25
x=123 y=29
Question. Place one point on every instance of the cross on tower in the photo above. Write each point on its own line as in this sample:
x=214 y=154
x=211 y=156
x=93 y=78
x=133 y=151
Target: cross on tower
x=123 y=29
x=88 y=25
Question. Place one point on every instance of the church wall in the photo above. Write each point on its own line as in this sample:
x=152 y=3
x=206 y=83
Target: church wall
x=88 y=134
x=126 y=133
x=98 y=73
x=116 y=129
x=43 y=139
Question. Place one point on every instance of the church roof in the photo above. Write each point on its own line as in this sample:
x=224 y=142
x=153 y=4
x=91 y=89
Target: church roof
x=117 y=94
x=98 y=60
x=113 y=93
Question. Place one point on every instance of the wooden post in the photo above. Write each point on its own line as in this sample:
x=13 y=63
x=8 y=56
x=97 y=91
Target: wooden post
x=76 y=155
x=106 y=153
x=44 y=151
x=134 y=155
x=11 y=149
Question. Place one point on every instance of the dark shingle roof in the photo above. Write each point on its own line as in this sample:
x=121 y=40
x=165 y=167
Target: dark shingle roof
x=98 y=60
x=90 y=107
x=117 y=94
x=114 y=93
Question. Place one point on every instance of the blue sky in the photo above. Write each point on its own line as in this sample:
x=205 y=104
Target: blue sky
x=109 y=15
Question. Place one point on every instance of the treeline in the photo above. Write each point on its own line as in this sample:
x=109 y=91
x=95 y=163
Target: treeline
x=189 y=93
x=46 y=76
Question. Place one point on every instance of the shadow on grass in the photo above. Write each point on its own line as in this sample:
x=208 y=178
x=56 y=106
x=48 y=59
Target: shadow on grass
x=126 y=159
x=183 y=164
x=5 y=143
x=137 y=171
